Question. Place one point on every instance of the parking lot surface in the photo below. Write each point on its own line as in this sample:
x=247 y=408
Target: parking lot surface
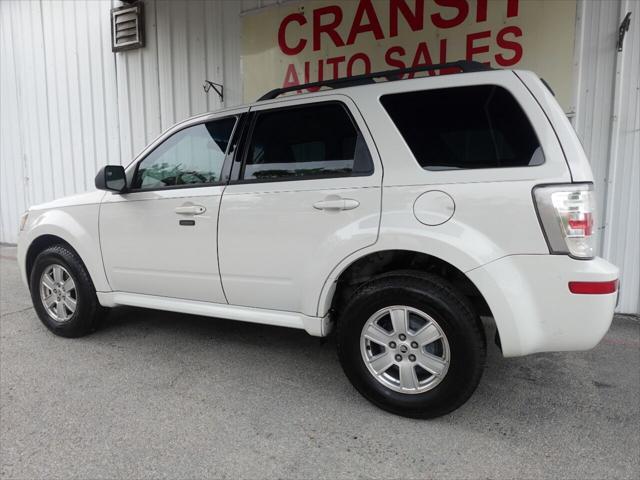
x=162 y=395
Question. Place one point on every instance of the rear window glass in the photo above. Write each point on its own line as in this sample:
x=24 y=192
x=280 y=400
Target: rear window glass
x=306 y=142
x=464 y=127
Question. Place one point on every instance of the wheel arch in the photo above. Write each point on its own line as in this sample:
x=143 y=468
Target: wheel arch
x=370 y=264
x=80 y=234
x=40 y=244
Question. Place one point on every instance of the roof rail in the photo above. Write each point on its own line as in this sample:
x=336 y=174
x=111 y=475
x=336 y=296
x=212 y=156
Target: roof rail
x=465 y=66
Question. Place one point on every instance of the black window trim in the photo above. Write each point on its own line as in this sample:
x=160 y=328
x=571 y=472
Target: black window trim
x=453 y=169
x=237 y=164
x=223 y=181
x=248 y=136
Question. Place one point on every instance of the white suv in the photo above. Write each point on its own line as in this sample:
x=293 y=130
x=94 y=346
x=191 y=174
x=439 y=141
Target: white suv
x=399 y=212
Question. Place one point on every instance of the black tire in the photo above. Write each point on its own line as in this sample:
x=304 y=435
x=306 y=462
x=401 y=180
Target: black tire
x=88 y=311
x=451 y=310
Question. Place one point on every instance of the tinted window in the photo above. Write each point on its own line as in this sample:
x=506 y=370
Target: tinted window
x=465 y=127
x=306 y=142
x=194 y=155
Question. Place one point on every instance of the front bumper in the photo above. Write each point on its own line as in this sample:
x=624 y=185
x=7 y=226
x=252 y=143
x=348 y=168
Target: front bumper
x=21 y=257
x=533 y=308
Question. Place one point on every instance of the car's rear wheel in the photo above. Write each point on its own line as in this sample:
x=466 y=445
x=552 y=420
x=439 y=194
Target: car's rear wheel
x=411 y=344
x=63 y=294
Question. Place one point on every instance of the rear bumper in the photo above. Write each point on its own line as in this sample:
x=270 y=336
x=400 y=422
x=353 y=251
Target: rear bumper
x=533 y=308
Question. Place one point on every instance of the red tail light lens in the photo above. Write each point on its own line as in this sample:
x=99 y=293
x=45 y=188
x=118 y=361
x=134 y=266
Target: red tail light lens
x=582 y=225
x=593 y=288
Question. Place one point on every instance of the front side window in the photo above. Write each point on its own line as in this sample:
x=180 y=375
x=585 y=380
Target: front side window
x=305 y=142
x=191 y=156
x=464 y=127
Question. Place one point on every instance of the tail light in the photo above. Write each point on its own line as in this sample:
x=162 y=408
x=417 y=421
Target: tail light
x=566 y=213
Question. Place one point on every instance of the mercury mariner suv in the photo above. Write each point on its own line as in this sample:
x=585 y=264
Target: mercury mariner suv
x=397 y=213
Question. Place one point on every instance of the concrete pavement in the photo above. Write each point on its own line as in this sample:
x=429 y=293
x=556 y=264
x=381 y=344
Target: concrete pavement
x=161 y=395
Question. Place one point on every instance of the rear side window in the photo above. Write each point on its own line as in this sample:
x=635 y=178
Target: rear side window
x=312 y=141
x=465 y=127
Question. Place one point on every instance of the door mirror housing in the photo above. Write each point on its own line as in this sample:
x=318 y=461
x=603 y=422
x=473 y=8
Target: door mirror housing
x=111 y=177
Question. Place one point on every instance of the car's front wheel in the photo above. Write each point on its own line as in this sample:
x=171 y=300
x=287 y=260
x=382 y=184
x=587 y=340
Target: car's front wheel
x=63 y=294
x=411 y=344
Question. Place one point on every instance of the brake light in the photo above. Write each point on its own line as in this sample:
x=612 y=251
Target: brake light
x=567 y=216
x=593 y=288
x=582 y=225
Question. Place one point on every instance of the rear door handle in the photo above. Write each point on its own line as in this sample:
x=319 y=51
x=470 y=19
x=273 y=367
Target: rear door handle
x=337 y=203
x=190 y=209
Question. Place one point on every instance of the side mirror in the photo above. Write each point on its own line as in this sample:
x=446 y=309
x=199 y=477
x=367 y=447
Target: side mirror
x=111 y=177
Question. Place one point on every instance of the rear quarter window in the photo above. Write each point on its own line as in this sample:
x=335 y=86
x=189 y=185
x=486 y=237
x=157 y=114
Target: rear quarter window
x=480 y=126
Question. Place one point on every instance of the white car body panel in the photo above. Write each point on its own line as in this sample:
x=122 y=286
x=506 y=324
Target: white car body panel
x=262 y=253
x=285 y=269
x=474 y=236
x=93 y=197
x=150 y=252
x=275 y=248
x=74 y=219
x=145 y=249
x=534 y=309
x=576 y=158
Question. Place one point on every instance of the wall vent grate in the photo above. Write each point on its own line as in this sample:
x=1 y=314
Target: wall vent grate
x=127 y=27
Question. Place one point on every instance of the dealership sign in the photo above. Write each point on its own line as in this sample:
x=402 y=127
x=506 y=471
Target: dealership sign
x=302 y=42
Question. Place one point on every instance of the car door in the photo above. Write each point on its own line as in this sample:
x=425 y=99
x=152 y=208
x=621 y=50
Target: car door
x=160 y=237
x=305 y=194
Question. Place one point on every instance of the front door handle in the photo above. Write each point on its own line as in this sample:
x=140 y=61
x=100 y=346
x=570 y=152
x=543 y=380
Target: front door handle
x=190 y=209
x=334 y=202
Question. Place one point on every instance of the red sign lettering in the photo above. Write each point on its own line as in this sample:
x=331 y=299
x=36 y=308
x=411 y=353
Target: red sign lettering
x=320 y=30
